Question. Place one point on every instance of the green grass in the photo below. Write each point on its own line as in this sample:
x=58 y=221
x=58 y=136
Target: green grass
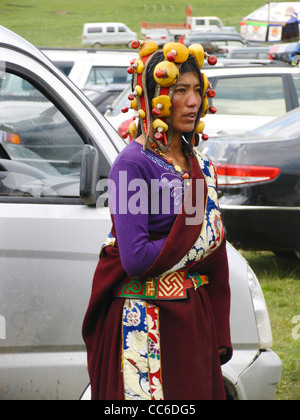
x=58 y=23
x=280 y=281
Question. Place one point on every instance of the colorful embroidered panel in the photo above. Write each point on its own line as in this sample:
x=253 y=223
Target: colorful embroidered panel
x=212 y=233
x=141 y=351
x=168 y=287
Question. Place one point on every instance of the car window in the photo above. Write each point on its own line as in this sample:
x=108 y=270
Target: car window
x=215 y=23
x=261 y=96
x=64 y=66
x=108 y=75
x=297 y=85
x=40 y=151
x=120 y=102
x=94 y=30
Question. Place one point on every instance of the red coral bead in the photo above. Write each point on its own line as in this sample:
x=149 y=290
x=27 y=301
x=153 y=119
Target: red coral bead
x=212 y=60
x=159 y=136
x=160 y=73
x=171 y=56
x=156 y=111
x=211 y=93
x=135 y=44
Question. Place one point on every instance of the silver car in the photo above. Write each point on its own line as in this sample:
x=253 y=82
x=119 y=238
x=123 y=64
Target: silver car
x=159 y=35
x=54 y=148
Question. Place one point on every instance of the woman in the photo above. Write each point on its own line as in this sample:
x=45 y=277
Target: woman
x=157 y=325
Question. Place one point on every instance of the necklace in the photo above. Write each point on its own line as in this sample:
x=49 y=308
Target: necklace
x=171 y=161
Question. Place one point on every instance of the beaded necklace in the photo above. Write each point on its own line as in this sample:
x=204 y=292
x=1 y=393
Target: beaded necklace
x=170 y=160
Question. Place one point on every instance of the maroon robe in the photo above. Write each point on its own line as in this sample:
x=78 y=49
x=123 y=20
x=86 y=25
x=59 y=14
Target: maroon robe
x=191 y=330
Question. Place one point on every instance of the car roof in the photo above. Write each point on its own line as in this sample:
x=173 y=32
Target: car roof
x=227 y=65
x=253 y=48
x=103 y=57
x=104 y=23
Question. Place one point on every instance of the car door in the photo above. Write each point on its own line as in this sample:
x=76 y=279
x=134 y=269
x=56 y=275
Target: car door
x=111 y=35
x=49 y=240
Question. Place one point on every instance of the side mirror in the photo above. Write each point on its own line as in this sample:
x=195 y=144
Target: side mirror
x=89 y=175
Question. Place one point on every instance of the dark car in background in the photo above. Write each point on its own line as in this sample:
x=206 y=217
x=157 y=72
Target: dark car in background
x=103 y=98
x=259 y=185
x=217 y=43
x=249 y=53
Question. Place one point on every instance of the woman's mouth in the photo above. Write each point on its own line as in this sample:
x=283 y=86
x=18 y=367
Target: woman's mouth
x=190 y=117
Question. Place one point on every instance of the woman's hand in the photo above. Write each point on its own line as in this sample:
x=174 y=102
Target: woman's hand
x=222 y=351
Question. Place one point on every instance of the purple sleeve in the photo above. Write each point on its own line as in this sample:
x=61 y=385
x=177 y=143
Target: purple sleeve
x=129 y=205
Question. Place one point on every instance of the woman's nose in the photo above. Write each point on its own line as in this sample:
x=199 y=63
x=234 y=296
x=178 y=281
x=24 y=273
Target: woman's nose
x=193 y=99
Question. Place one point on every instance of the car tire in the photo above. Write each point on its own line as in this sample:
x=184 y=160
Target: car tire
x=97 y=45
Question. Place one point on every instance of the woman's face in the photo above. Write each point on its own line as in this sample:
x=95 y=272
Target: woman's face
x=186 y=102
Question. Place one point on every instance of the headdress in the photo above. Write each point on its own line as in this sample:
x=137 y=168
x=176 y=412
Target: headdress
x=166 y=74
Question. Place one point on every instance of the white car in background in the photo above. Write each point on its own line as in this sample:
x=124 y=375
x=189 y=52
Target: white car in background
x=107 y=33
x=51 y=233
x=87 y=67
x=160 y=36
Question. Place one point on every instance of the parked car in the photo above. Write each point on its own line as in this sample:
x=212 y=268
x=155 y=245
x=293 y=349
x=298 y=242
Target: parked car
x=159 y=35
x=259 y=185
x=217 y=43
x=107 y=33
x=250 y=53
x=248 y=95
x=87 y=67
x=290 y=52
x=51 y=232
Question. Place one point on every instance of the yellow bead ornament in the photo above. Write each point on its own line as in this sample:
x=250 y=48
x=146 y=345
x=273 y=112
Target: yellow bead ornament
x=148 y=47
x=159 y=124
x=205 y=106
x=138 y=66
x=205 y=83
x=166 y=73
x=200 y=127
x=139 y=90
x=132 y=129
x=175 y=52
x=198 y=52
x=142 y=113
x=162 y=106
x=134 y=104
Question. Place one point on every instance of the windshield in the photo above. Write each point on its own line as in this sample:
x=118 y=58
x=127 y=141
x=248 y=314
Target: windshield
x=101 y=75
x=40 y=151
x=287 y=126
